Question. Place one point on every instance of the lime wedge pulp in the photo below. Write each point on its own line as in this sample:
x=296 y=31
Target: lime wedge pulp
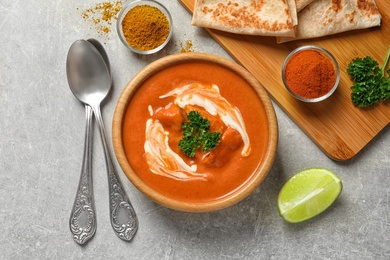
x=308 y=193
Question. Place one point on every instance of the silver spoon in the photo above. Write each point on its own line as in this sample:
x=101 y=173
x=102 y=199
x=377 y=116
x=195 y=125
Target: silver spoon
x=99 y=47
x=89 y=63
x=82 y=220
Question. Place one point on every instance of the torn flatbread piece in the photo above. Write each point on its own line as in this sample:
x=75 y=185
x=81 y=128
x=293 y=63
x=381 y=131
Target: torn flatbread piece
x=252 y=17
x=327 y=17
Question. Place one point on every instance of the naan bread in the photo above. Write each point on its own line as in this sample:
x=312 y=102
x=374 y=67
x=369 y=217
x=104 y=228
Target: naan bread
x=327 y=17
x=252 y=17
x=302 y=4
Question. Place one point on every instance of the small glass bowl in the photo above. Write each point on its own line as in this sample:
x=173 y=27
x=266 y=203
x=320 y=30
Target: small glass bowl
x=130 y=5
x=324 y=53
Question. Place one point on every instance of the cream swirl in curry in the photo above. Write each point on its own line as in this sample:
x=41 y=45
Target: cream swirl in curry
x=165 y=122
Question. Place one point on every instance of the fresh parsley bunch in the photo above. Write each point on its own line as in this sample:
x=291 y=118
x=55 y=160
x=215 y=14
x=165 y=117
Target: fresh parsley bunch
x=371 y=85
x=196 y=135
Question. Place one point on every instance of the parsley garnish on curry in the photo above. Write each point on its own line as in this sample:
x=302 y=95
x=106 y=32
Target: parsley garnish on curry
x=195 y=136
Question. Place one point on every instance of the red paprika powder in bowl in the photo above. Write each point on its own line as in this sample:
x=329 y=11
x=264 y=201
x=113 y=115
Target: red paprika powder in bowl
x=310 y=73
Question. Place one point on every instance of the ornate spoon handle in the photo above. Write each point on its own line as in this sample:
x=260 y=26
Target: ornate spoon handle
x=123 y=218
x=83 y=217
x=122 y=215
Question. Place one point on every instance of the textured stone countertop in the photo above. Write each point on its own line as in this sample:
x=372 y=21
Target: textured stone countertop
x=42 y=134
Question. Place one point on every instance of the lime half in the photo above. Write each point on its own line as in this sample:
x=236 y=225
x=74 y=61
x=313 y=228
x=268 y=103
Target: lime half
x=308 y=193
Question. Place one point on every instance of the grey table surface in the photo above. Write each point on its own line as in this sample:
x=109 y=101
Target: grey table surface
x=42 y=133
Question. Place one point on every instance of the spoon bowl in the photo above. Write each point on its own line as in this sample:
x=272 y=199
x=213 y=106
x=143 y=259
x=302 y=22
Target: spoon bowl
x=88 y=75
x=99 y=47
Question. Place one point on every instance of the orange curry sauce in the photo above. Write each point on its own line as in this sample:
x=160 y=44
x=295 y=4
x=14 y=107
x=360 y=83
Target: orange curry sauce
x=222 y=178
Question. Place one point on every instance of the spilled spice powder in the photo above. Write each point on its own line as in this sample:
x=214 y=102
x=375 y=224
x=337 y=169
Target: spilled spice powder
x=186 y=47
x=102 y=15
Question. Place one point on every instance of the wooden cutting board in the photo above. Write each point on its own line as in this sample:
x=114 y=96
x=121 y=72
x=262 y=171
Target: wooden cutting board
x=335 y=125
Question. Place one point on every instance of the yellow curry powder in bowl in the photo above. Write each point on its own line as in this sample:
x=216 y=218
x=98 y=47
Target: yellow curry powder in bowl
x=145 y=26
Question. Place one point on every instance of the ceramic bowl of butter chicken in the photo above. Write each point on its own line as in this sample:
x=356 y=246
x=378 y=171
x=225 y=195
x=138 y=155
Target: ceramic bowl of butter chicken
x=195 y=132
